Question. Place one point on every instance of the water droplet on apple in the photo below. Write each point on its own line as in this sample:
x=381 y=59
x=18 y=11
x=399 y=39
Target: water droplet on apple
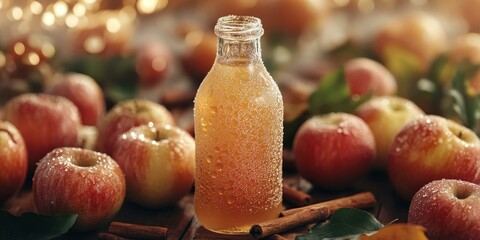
x=231 y=200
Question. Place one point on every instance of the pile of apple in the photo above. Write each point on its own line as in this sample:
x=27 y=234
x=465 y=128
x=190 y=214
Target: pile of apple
x=139 y=153
x=431 y=161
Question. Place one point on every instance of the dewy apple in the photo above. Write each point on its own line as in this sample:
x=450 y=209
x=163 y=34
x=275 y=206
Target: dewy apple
x=238 y=131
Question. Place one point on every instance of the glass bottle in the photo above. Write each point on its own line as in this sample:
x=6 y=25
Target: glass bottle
x=238 y=118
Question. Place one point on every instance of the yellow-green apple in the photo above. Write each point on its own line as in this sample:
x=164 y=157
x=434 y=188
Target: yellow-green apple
x=158 y=162
x=84 y=92
x=79 y=181
x=407 y=45
x=13 y=160
x=365 y=76
x=430 y=148
x=152 y=63
x=45 y=122
x=125 y=115
x=332 y=151
x=448 y=209
x=386 y=116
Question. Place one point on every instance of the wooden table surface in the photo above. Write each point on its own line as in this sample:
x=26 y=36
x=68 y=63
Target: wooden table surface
x=182 y=223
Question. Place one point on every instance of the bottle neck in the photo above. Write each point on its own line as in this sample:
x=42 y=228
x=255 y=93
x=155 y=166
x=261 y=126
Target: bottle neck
x=238 y=51
x=238 y=39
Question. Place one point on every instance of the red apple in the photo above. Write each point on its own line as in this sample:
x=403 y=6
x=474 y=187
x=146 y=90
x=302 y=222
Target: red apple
x=125 y=115
x=448 y=209
x=432 y=148
x=365 y=76
x=332 y=151
x=386 y=116
x=80 y=181
x=84 y=92
x=201 y=52
x=158 y=162
x=152 y=63
x=13 y=160
x=45 y=122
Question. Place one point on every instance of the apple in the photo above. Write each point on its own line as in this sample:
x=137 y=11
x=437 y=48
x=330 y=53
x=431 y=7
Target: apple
x=158 y=162
x=448 y=209
x=386 y=116
x=45 y=122
x=84 y=92
x=466 y=47
x=407 y=45
x=79 y=181
x=365 y=76
x=430 y=148
x=152 y=63
x=332 y=151
x=469 y=13
x=125 y=115
x=201 y=53
x=13 y=160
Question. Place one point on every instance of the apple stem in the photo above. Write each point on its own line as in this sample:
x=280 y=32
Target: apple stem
x=460 y=134
x=9 y=134
x=157 y=135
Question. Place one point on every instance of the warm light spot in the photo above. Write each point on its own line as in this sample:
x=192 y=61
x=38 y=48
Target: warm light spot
x=419 y=2
x=60 y=9
x=19 y=48
x=341 y=3
x=129 y=12
x=366 y=6
x=79 y=10
x=71 y=21
x=150 y=6
x=33 y=58
x=89 y=2
x=159 y=64
x=16 y=13
x=94 y=44
x=281 y=54
x=113 y=25
x=2 y=4
x=3 y=60
x=48 y=50
x=36 y=7
x=48 y=18
x=193 y=38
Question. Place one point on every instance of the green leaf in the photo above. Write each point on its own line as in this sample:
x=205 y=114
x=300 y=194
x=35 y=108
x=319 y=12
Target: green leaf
x=466 y=105
x=34 y=226
x=345 y=223
x=333 y=95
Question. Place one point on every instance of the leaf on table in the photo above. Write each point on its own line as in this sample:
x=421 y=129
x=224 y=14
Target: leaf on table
x=399 y=231
x=345 y=223
x=34 y=226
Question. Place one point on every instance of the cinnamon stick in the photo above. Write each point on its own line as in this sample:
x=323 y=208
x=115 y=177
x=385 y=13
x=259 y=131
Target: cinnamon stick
x=282 y=224
x=360 y=200
x=136 y=231
x=109 y=236
x=295 y=196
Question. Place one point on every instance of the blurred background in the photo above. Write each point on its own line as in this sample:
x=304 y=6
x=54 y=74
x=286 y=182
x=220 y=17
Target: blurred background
x=162 y=49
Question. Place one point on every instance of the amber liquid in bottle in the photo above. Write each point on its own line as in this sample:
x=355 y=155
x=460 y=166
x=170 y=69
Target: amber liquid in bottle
x=238 y=131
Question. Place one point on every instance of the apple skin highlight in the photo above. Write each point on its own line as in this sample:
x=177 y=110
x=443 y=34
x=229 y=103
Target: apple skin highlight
x=79 y=181
x=448 y=209
x=432 y=148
